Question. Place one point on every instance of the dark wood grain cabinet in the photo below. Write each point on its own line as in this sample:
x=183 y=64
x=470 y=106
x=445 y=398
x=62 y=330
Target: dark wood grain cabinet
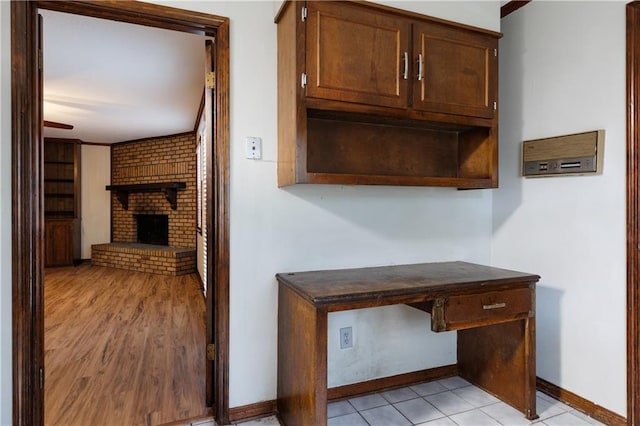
x=59 y=241
x=62 y=201
x=369 y=94
x=457 y=70
x=353 y=55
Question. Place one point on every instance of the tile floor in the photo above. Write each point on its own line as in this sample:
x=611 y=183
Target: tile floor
x=447 y=402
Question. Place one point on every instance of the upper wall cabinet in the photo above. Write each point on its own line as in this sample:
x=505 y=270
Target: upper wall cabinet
x=457 y=70
x=369 y=94
x=355 y=55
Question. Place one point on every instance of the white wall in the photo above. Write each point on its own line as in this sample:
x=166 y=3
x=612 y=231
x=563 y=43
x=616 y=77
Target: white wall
x=319 y=227
x=95 y=169
x=322 y=227
x=550 y=85
x=562 y=70
x=5 y=214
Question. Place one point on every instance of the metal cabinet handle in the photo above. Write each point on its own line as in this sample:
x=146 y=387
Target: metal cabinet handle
x=420 y=66
x=405 y=60
x=494 y=306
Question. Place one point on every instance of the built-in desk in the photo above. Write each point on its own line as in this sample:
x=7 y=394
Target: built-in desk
x=492 y=309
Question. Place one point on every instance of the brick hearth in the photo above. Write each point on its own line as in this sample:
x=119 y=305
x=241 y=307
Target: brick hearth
x=145 y=258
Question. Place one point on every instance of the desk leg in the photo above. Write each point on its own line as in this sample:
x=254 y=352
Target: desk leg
x=302 y=361
x=500 y=359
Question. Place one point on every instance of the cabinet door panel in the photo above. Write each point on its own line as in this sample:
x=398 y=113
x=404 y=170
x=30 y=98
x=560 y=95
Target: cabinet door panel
x=58 y=243
x=356 y=55
x=459 y=71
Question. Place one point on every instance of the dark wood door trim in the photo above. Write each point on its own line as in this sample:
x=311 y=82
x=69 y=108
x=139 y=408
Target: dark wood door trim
x=512 y=6
x=633 y=222
x=27 y=209
x=27 y=220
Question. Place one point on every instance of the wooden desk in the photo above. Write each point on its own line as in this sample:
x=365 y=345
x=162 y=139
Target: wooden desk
x=492 y=309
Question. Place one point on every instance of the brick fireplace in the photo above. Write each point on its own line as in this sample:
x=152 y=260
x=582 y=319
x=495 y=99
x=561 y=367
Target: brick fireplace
x=152 y=161
x=152 y=229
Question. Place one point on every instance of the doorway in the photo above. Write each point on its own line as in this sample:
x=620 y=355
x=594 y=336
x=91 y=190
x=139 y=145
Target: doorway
x=27 y=209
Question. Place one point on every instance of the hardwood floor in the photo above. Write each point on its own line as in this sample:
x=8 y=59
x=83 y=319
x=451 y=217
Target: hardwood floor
x=122 y=347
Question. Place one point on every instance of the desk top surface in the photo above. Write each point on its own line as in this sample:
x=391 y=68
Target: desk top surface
x=424 y=280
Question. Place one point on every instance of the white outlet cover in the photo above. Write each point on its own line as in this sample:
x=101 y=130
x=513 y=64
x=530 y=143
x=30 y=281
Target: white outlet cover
x=253 y=145
x=346 y=338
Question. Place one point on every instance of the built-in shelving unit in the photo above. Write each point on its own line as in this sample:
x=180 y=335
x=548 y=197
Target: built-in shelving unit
x=62 y=201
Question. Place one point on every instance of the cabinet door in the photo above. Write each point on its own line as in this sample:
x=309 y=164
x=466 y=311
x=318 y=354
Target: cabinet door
x=456 y=71
x=356 y=54
x=58 y=243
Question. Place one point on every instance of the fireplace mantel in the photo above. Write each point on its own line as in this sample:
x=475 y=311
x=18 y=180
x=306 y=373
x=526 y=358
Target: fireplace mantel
x=170 y=190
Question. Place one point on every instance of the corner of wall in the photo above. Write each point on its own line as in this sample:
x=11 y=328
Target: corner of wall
x=5 y=215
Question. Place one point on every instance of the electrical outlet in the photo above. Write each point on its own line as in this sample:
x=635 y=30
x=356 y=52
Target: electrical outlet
x=346 y=338
x=253 y=147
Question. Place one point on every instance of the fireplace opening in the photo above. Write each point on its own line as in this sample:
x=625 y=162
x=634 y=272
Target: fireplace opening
x=153 y=229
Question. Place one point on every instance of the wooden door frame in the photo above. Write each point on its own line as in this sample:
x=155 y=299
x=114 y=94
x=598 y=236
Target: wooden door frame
x=27 y=204
x=633 y=221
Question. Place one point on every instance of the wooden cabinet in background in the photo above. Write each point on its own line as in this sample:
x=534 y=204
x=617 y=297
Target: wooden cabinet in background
x=59 y=241
x=62 y=201
x=369 y=94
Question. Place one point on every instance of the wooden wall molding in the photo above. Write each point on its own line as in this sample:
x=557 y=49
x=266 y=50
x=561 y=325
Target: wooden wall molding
x=95 y=143
x=386 y=383
x=27 y=220
x=153 y=138
x=253 y=411
x=591 y=409
x=269 y=408
x=633 y=222
x=81 y=142
x=512 y=6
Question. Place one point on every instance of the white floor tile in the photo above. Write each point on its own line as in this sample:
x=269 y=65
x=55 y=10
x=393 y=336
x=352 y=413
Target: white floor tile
x=506 y=414
x=418 y=410
x=339 y=408
x=385 y=416
x=454 y=382
x=397 y=395
x=474 y=418
x=429 y=404
x=566 y=419
x=548 y=408
x=368 y=401
x=445 y=421
x=429 y=388
x=352 y=419
x=449 y=403
x=475 y=396
x=586 y=418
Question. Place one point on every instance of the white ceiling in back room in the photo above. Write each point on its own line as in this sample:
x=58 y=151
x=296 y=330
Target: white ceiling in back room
x=115 y=82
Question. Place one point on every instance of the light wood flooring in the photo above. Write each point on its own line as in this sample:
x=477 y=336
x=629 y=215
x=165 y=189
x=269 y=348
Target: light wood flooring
x=122 y=347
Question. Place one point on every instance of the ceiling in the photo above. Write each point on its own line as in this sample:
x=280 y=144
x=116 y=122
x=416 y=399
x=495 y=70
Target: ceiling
x=117 y=82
